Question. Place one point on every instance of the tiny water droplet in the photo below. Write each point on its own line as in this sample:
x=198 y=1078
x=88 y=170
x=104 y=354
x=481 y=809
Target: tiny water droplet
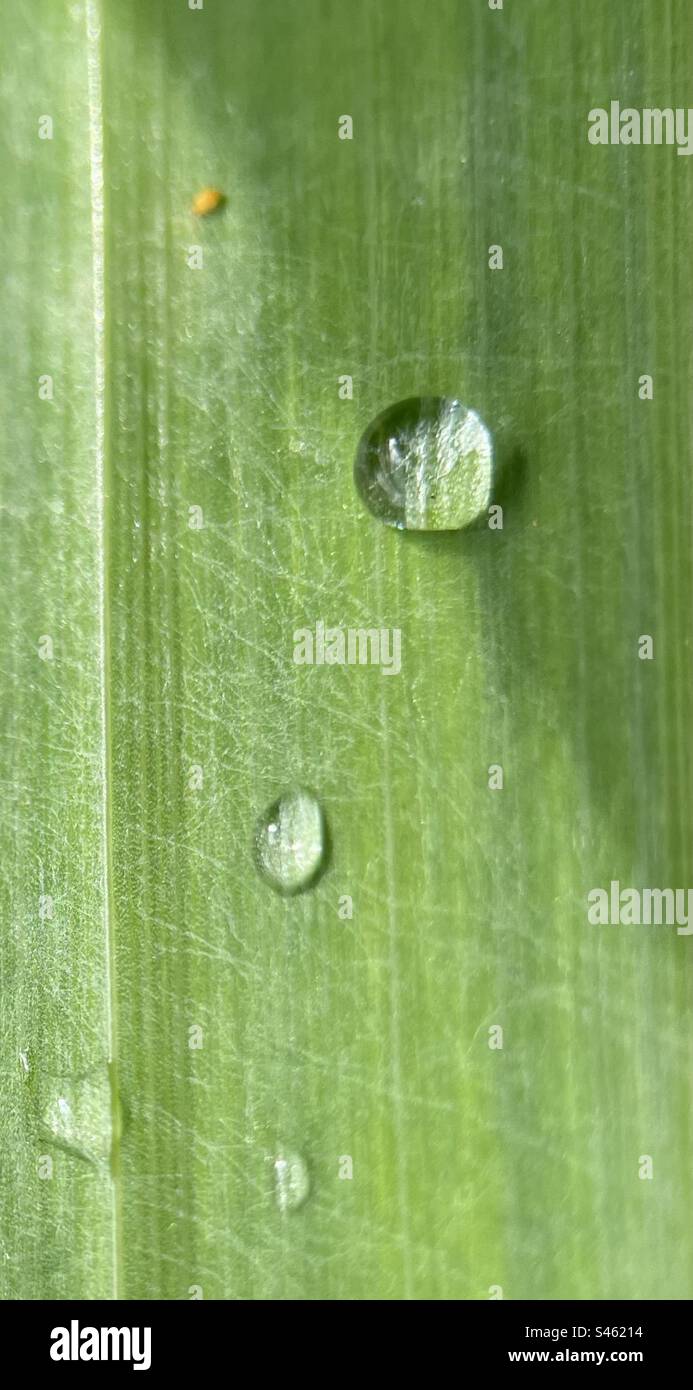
x=426 y=464
x=291 y=1180
x=290 y=841
x=78 y=1115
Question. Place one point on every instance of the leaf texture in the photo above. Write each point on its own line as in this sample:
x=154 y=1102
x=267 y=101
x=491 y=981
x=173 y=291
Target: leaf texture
x=184 y=504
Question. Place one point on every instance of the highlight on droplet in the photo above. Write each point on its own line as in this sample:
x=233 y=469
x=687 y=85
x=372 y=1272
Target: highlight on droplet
x=291 y=1180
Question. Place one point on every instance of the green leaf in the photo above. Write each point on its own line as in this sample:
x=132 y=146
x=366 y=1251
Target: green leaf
x=188 y=1058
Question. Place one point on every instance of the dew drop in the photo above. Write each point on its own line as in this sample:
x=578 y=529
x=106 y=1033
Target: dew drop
x=78 y=1115
x=426 y=464
x=291 y=1180
x=290 y=841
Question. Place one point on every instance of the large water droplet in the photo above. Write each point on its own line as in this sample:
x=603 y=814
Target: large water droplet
x=291 y=1180
x=426 y=464
x=290 y=841
x=78 y=1115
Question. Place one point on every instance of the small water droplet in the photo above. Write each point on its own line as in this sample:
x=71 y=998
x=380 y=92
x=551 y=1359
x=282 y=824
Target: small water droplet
x=426 y=464
x=291 y=1180
x=290 y=841
x=78 y=1115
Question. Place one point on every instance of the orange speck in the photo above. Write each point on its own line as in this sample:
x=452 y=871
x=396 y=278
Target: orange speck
x=207 y=200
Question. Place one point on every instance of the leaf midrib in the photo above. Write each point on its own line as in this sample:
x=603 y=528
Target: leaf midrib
x=94 y=27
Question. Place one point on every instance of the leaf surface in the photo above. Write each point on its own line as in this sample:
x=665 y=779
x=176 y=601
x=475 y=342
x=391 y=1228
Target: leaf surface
x=136 y=758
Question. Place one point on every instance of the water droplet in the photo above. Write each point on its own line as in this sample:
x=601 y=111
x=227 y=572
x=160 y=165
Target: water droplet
x=426 y=464
x=78 y=1115
x=290 y=841
x=291 y=1180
